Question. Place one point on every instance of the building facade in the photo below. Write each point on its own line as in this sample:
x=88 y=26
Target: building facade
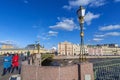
x=111 y=50
x=29 y=48
x=94 y=50
x=67 y=48
x=76 y=49
x=7 y=46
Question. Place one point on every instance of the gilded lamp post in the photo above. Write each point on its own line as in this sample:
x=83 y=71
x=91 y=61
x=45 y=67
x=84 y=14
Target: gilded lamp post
x=81 y=15
x=38 y=56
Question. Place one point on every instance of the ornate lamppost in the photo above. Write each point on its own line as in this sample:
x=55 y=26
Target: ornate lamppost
x=38 y=56
x=81 y=15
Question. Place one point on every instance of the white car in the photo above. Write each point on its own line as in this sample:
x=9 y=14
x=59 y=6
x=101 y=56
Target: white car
x=15 y=77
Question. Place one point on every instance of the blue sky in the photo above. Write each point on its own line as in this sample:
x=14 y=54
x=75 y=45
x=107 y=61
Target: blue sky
x=23 y=22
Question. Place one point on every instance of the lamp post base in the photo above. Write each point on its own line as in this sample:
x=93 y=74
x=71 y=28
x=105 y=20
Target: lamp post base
x=86 y=71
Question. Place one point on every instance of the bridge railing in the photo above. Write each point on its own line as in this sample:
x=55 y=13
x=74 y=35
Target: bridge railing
x=45 y=56
x=107 y=70
x=33 y=60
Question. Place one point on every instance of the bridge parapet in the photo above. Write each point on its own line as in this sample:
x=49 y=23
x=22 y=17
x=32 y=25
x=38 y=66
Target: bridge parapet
x=82 y=71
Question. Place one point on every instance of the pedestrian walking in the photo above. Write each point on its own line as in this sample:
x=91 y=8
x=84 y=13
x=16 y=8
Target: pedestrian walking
x=28 y=54
x=25 y=55
x=21 y=58
x=6 y=64
x=15 y=62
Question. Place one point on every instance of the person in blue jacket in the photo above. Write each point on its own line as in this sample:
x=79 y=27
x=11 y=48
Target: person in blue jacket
x=6 y=63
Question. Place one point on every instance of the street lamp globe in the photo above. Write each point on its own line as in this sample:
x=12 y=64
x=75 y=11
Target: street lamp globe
x=81 y=14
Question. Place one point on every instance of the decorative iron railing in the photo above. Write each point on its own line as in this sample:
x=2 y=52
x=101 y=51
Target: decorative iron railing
x=107 y=70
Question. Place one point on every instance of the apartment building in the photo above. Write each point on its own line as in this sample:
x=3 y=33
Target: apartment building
x=68 y=48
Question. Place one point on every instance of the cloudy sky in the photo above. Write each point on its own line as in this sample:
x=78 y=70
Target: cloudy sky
x=23 y=22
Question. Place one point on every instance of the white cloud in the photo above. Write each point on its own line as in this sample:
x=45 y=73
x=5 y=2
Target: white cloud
x=107 y=34
x=26 y=1
x=97 y=39
x=65 y=24
x=52 y=33
x=90 y=16
x=110 y=27
x=100 y=35
x=76 y=3
x=43 y=37
x=47 y=36
x=117 y=0
x=113 y=34
x=98 y=3
x=9 y=42
x=67 y=7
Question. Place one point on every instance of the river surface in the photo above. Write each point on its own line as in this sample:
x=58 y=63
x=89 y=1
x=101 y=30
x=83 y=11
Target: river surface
x=76 y=61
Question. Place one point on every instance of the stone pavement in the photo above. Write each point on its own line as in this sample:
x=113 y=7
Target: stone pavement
x=5 y=77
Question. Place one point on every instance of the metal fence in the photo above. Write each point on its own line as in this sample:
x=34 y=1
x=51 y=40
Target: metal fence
x=107 y=70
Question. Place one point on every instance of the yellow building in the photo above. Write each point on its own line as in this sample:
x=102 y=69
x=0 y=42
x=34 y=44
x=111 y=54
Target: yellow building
x=7 y=46
x=23 y=50
x=111 y=50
